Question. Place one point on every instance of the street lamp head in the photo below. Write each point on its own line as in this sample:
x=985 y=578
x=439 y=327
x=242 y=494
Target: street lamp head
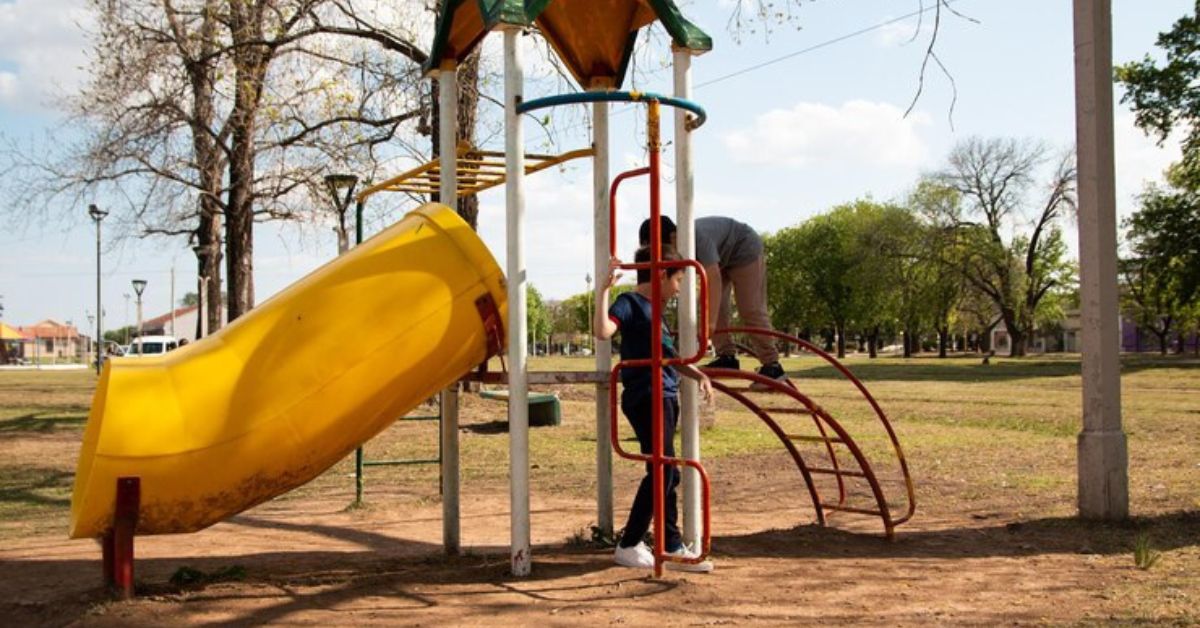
x=96 y=213
x=139 y=285
x=338 y=182
x=341 y=181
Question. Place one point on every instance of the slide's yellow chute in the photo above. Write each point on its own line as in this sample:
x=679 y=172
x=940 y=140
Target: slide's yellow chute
x=284 y=392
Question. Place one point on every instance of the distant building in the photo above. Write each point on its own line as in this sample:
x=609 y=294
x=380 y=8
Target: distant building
x=182 y=325
x=1063 y=336
x=52 y=341
x=1134 y=339
x=1066 y=337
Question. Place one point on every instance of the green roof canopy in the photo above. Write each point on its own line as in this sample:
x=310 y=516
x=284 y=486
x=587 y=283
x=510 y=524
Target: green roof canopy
x=594 y=38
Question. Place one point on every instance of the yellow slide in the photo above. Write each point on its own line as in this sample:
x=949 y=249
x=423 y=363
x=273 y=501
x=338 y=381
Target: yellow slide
x=286 y=391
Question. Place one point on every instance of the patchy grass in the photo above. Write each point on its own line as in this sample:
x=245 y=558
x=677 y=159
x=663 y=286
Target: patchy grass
x=979 y=439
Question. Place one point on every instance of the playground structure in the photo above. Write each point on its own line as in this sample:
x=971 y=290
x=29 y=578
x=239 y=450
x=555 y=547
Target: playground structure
x=168 y=442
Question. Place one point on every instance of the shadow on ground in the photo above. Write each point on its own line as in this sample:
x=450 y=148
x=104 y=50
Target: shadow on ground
x=1061 y=535
x=41 y=423
x=404 y=575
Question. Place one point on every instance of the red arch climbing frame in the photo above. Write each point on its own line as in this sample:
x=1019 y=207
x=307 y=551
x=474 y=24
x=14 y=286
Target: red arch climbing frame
x=824 y=423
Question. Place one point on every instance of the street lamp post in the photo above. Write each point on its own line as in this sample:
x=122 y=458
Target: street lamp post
x=201 y=290
x=97 y=215
x=139 y=286
x=91 y=319
x=336 y=183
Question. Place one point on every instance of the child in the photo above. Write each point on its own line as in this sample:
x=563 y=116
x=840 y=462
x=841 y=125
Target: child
x=631 y=315
x=733 y=259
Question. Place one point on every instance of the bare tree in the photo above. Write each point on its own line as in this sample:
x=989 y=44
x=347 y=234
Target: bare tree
x=1014 y=250
x=207 y=115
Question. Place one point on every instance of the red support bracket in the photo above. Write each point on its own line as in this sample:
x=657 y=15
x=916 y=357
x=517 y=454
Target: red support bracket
x=117 y=543
x=493 y=328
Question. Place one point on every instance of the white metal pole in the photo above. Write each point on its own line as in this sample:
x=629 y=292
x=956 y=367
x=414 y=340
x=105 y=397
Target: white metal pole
x=518 y=385
x=448 y=191
x=1103 y=455
x=600 y=231
x=686 y=241
x=173 y=300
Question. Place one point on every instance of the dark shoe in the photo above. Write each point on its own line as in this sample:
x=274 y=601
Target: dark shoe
x=773 y=371
x=724 y=362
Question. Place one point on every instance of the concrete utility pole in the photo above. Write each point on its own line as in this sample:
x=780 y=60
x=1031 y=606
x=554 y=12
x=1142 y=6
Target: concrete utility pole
x=1103 y=457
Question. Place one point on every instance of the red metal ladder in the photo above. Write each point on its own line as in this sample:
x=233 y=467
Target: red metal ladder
x=657 y=361
x=823 y=437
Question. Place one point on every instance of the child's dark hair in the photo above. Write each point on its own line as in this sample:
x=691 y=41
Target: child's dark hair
x=643 y=255
x=666 y=225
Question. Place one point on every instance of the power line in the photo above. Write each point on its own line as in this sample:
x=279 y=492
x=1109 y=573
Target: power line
x=790 y=55
x=826 y=43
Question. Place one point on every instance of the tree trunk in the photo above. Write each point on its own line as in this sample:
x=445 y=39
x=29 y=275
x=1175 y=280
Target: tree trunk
x=840 y=331
x=1016 y=336
x=250 y=66
x=872 y=342
x=468 y=109
x=943 y=338
x=1163 y=343
x=210 y=166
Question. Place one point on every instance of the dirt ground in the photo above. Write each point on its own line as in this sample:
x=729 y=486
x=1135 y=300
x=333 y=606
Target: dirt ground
x=968 y=557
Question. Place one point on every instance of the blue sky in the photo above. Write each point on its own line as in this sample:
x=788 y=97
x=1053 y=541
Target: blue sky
x=783 y=142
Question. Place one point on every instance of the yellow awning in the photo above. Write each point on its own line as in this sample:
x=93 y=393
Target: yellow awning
x=9 y=333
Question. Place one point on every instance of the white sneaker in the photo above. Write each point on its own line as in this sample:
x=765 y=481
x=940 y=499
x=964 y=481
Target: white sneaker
x=705 y=566
x=638 y=557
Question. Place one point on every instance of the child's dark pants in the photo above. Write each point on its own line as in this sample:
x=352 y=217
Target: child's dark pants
x=640 y=417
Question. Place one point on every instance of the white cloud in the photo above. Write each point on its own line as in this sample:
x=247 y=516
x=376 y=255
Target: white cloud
x=43 y=42
x=8 y=86
x=858 y=133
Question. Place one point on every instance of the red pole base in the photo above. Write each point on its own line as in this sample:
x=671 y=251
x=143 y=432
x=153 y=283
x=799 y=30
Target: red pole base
x=117 y=543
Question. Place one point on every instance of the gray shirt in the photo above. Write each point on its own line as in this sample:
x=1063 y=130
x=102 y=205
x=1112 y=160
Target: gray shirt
x=726 y=242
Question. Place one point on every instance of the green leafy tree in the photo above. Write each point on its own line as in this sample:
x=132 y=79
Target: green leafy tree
x=790 y=299
x=562 y=321
x=940 y=253
x=1148 y=296
x=1164 y=97
x=537 y=316
x=885 y=241
x=1162 y=273
x=1165 y=231
x=122 y=335
x=825 y=258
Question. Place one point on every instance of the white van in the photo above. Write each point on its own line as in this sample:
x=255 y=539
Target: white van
x=152 y=345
